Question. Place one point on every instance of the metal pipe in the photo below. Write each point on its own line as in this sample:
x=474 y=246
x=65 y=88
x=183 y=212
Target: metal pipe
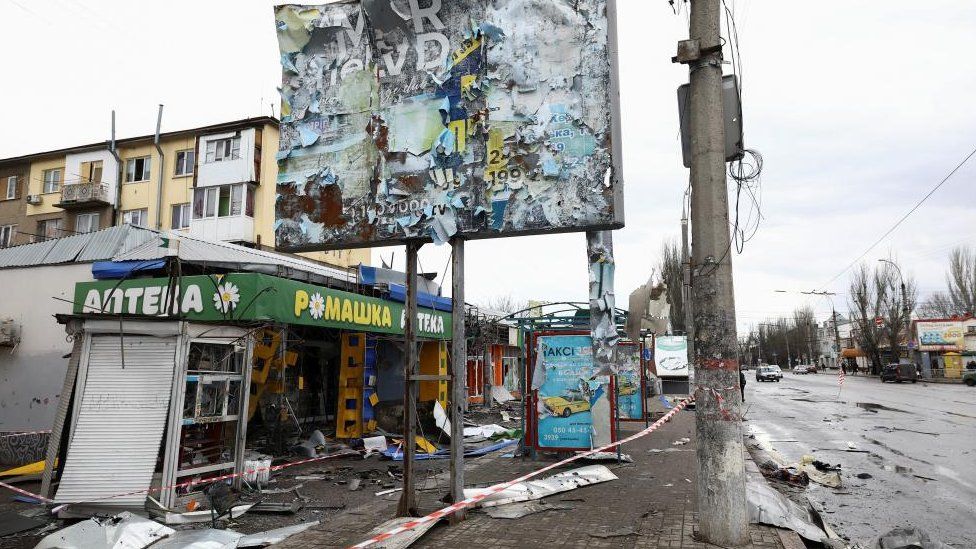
x=162 y=167
x=117 y=203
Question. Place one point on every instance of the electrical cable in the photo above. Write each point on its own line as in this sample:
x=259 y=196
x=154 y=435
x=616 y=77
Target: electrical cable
x=902 y=219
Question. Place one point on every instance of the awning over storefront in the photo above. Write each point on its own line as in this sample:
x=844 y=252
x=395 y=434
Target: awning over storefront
x=248 y=297
x=852 y=353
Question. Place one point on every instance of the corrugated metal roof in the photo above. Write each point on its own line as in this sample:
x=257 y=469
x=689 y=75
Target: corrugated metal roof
x=87 y=247
x=210 y=252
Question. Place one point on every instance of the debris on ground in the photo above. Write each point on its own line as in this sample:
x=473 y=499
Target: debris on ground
x=767 y=506
x=283 y=508
x=908 y=538
x=608 y=456
x=606 y=532
x=525 y=508
x=538 y=489
x=122 y=530
x=789 y=475
x=500 y=394
x=681 y=441
x=270 y=537
x=403 y=539
x=864 y=476
x=829 y=478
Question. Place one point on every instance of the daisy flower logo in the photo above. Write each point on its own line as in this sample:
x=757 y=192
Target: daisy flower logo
x=316 y=306
x=227 y=297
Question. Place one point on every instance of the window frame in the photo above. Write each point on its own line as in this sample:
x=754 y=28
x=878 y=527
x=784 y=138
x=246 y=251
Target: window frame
x=231 y=149
x=11 y=192
x=188 y=168
x=42 y=227
x=184 y=212
x=143 y=214
x=146 y=169
x=57 y=182
x=90 y=216
x=7 y=233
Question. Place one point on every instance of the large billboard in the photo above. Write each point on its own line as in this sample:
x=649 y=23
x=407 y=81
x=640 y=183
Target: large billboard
x=671 y=356
x=940 y=335
x=403 y=119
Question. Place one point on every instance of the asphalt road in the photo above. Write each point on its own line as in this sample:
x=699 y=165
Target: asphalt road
x=917 y=441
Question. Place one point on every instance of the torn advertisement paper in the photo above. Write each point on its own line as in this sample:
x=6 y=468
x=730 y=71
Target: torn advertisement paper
x=441 y=419
x=537 y=489
x=433 y=119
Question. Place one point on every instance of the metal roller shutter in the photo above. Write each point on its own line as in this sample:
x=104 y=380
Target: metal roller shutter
x=115 y=444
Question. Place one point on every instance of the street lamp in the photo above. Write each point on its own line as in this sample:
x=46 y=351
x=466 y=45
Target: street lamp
x=904 y=304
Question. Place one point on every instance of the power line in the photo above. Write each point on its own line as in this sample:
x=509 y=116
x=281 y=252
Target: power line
x=903 y=218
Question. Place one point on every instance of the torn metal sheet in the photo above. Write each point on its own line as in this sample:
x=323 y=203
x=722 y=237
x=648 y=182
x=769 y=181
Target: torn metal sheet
x=525 y=508
x=430 y=119
x=200 y=539
x=609 y=456
x=767 y=506
x=122 y=531
x=500 y=394
x=191 y=517
x=270 y=537
x=441 y=419
x=403 y=539
x=538 y=489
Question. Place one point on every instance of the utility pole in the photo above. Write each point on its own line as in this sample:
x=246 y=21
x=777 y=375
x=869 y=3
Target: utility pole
x=407 y=506
x=722 y=512
x=459 y=354
x=833 y=317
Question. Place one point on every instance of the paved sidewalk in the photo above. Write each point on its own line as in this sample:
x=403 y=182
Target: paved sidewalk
x=654 y=500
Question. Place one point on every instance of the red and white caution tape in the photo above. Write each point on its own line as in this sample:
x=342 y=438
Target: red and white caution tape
x=468 y=502
x=8 y=435
x=25 y=492
x=195 y=481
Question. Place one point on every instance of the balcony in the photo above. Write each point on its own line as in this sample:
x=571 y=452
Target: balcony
x=84 y=194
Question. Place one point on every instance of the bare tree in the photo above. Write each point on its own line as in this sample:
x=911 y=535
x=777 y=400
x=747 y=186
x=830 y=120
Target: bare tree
x=868 y=292
x=961 y=280
x=671 y=274
x=896 y=313
x=505 y=304
x=938 y=305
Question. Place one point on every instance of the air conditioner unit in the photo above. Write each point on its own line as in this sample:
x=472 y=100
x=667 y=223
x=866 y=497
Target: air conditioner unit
x=33 y=199
x=9 y=332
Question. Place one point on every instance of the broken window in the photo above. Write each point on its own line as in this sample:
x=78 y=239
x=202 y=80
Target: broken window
x=137 y=169
x=184 y=162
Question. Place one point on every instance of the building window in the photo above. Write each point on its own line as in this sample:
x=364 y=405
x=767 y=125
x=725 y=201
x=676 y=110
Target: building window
x=184 y=162
x=87 y=222
x=181 y=216
x=223 y=201
x=220 y=150
x=91 y=172
x=137 y=169
x=52 y=180
x=139 y=218
x=11 y=187
x=49 y=228
x=7 y=233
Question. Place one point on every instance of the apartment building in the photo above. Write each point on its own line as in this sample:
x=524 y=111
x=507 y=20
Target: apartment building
x=215 y=182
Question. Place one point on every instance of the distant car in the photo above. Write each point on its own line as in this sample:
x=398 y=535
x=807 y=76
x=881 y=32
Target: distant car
x=969 y=377
x=803 y=369
x=899 y=372
x=561 y=407
x=769 y=373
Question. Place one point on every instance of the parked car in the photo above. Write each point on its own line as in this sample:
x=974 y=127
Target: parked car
x=769 y=373
x=899 y=372
x=803 y=369
x=969 y=377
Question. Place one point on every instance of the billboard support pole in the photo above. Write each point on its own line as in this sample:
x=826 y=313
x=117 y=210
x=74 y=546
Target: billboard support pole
x=459 y=354
x=723 y=519
x=603 y=323
x=407 y=506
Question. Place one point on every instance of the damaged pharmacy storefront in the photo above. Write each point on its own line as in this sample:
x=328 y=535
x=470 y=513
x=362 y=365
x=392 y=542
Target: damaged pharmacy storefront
x=171 y=379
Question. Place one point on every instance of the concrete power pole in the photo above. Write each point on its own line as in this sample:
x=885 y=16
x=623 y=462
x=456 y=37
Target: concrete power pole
x=722 y=512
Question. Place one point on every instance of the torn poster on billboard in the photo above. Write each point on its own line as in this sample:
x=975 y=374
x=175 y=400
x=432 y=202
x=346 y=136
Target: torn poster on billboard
x=403 y=119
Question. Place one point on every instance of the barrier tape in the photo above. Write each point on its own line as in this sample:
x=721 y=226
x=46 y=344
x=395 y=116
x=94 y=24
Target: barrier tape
x=468 y=502
x=8 y=435
x=26 y=493
x=192 y=482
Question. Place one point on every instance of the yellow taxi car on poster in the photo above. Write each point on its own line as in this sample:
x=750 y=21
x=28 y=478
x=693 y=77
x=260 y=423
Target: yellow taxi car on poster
x=561 y=407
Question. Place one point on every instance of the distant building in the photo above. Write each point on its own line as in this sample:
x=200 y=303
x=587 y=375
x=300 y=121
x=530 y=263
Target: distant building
x=216 y=182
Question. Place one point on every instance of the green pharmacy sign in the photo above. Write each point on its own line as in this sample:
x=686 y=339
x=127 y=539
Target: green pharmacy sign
x=247 y=297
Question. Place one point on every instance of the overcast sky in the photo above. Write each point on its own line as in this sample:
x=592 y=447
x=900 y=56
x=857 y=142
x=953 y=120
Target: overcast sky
x=858 y=109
